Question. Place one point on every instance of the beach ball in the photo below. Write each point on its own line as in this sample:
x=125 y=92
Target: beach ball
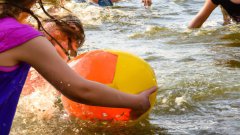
x=117 y=69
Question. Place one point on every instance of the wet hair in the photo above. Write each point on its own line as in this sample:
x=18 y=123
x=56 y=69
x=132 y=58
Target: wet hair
x=13 y=8
x=71 y=26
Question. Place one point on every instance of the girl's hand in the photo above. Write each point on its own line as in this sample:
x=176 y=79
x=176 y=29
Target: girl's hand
x=143 y=103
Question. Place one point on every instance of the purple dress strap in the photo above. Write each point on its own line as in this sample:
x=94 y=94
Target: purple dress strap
x=8 y=69
x=12 y=79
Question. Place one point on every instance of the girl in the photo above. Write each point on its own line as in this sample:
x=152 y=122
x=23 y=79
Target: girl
x=66 y=34
x=229 y=7
x=22 y=46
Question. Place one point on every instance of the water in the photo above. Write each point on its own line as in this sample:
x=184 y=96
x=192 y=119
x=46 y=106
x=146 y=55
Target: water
x=198 y=71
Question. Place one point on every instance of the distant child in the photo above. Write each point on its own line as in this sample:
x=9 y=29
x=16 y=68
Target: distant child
x=104 y=3
x=230 y=10
x=21 y=46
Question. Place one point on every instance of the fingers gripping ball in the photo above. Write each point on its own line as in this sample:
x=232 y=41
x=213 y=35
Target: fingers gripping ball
x=120 y=70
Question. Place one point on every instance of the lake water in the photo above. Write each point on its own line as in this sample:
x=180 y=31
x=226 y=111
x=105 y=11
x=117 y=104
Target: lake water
x=198 y=71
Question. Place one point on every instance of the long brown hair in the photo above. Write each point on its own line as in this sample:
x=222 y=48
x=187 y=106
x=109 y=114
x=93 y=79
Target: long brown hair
x=71 y=26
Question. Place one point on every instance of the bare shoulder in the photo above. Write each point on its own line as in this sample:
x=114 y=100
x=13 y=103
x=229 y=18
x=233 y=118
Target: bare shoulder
x=34 y=47
x=25 y=52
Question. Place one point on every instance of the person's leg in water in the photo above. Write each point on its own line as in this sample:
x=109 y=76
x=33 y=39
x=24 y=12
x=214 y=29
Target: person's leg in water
x=226 y=18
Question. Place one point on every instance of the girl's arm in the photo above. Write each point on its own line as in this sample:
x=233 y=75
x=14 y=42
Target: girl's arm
x=202 y=15
x=39 y=53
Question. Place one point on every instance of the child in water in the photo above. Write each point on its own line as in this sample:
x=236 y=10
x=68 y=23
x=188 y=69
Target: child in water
x=21 y=46
x=104 y=3
x=67 y=35
x=230 y=10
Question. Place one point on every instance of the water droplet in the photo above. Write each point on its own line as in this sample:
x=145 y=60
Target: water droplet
x=104 y=114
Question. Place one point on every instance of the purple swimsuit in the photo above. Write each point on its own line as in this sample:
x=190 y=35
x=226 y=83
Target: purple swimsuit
x=12 y=34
